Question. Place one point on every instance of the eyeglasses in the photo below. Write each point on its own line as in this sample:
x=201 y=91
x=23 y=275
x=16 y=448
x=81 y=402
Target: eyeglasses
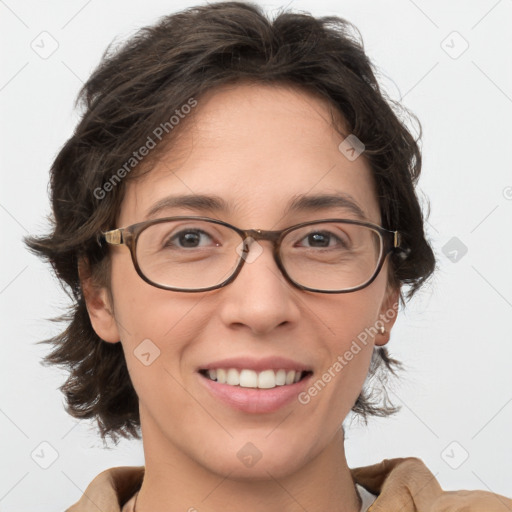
x=198 y=254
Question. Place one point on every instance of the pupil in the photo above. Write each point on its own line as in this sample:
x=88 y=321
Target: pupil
x=189 y=239
x=319 y=240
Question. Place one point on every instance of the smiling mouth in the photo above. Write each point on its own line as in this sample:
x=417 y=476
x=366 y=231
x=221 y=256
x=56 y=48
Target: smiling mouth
x=266 y=379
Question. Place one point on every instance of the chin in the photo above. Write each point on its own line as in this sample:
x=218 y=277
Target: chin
x=255 y=460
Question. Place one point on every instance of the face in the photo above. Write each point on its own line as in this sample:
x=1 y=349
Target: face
x=257 y=147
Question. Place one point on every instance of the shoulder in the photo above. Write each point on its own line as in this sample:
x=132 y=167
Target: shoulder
x=407 y=484
x=110 y=489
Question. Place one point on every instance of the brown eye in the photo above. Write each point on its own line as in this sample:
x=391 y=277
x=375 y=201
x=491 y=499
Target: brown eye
x=323 y=239
x=190 y=238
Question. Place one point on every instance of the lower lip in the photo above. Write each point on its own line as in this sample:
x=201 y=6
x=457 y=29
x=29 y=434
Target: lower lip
x=252 y=400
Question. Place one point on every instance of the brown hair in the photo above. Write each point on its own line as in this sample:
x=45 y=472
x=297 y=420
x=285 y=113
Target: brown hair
x=138 y=87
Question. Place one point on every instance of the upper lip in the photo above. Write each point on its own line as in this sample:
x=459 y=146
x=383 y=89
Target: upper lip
x=258 y=365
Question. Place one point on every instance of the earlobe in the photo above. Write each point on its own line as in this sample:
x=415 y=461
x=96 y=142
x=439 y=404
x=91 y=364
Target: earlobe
x=99 y=307
x=387 y=316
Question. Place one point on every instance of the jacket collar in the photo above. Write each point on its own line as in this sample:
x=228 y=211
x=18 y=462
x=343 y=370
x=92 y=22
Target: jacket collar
x=114 y=487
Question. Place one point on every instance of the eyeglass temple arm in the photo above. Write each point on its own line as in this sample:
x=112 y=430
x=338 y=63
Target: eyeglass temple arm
x=112 y=237
x=398 y=246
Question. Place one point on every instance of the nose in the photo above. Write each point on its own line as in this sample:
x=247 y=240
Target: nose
x=259 y=299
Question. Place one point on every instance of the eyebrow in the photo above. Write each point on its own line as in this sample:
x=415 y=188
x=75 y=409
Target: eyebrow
x=302 y=203
x=318 y=202
x=193 y=202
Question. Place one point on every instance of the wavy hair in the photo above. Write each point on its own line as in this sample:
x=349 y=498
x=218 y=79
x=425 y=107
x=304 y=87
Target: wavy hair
x=136 y=87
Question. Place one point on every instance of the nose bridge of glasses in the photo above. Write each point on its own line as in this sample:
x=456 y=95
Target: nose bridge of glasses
x=261 y=234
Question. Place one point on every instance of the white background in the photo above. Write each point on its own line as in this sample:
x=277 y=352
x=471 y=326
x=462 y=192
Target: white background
x=455 y=337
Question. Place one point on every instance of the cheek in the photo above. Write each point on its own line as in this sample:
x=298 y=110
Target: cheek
x=348 y=324
x=156 y=326
x=142 y=310
x=142 y=314
x=351 y=347
x=135 y=308
x=348 y=317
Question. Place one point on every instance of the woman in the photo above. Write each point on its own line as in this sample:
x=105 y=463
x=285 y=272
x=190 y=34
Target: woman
x=236 y=217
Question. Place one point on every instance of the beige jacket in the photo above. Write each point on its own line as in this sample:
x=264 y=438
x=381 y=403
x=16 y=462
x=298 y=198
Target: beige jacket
x=402 y=485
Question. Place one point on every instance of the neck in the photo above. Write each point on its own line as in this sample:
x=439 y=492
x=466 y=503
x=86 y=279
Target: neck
x=174 y=481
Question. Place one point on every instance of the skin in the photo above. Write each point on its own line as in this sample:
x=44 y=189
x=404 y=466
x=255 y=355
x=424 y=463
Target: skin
x=256 y=146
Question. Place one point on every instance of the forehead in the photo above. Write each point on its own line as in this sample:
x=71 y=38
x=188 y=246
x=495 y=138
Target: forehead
x=259 y=148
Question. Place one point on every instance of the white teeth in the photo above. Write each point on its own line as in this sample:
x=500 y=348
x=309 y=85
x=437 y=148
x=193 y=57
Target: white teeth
x=233 y=377
x=281 y=377
x=290 y=377
x=248 y=379
x=221 y=376
x=266 y=379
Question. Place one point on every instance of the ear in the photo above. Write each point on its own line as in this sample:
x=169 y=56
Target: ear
x=98 y=305
x=387 y=315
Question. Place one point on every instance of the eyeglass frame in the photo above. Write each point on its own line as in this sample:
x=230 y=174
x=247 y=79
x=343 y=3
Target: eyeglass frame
x=129 y=235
